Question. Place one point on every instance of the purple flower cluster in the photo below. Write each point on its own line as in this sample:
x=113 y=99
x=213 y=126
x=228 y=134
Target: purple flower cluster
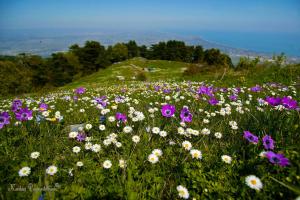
x=273 y=101
x=4 y=119
x=186 y=115
x=101 y=101
x=23 y=114
x=157 y=88
x=213 y=101
x=206 y=90
x=166 y=91
x=233 y=97
x=80 y=90
x=287 y=102
x=256 y=88
x=277 y=159
x=168 y=110
x=268 y=143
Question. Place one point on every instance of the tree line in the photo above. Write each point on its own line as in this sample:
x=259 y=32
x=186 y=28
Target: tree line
x=28 y=73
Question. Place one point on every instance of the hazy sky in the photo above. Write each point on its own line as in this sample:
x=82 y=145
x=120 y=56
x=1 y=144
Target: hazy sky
x=234 y=15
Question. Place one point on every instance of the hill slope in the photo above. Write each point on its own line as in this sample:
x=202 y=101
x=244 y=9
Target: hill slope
x=158 y=70
x=129 y=70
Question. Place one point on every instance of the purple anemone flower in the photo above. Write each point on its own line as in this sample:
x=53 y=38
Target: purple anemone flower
x=273 y=101
x=278 y=159
x=268 y=142
x=24 y=114
x=256 y=88
x=43 y=107
x=80 y=90
x=4 y=119
x=16 y=105
x=250 y=137
x=213 y=101
x=233 y=97
x=166 y=91
x=81 y=137
x=121 y=117
x=157 y=88
x=186 y=115
x=237 y=90
x=101 y=101
x=289 y=103
x=204 y=90
x=168 y=110
x=224 y=90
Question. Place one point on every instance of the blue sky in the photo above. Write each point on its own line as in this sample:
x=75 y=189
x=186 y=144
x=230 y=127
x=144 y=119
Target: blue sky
x=239 y=15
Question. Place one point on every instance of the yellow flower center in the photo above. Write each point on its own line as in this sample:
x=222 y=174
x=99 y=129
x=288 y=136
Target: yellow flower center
x=253 y=182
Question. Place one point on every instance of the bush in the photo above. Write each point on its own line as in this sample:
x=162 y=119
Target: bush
x=192 y=70
x=141 y=76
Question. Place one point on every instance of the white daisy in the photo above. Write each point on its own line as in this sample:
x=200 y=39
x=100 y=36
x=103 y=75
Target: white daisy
x=135 y=138
x=35 y=155
x=118 y=144
x=79 y=164
x=182 y=192
x=73 y=134
x=122 y=163
x=218 y=135
x=157 y=152
x=186 y=145
x=88 y=145
x=254 y=182
x=76 y=149
x=102 y=127
x=227 y=159
x=51 y=170
x=107 y=164
x=181 y=131
x=96 y=148
x=127 y=129
x=111 y=119
x=155 y=130
x=163 y=133
x=196 y=154
x=205 y=121
x=25 y=171
x=153 y=158
x=107 y=142
x=205 y=131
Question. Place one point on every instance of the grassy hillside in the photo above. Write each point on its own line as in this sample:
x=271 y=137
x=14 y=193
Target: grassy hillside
x=171 y=70
x=161 y=69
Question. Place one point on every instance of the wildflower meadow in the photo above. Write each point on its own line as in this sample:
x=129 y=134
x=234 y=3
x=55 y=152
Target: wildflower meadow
x=156 y=140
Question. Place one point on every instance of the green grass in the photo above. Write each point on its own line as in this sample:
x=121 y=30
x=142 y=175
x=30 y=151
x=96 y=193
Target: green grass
x=173 y=71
